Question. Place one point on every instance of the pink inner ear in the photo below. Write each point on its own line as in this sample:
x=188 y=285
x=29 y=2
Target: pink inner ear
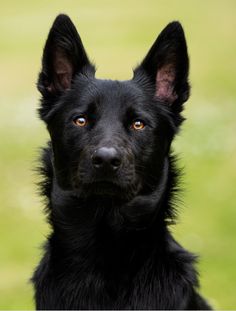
x=165 y=84
x=63 y=70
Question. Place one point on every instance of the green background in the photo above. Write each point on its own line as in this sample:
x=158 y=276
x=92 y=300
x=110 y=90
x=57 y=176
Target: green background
x=117 y=35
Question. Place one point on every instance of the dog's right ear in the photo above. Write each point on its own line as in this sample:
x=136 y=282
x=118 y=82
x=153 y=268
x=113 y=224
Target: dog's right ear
x=63 y=57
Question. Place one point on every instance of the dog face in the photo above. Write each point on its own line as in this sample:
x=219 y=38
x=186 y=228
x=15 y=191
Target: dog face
x=110 y=138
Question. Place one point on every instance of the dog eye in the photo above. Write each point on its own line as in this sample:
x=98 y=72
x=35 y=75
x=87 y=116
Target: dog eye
x=80 y=121
x=137 y=125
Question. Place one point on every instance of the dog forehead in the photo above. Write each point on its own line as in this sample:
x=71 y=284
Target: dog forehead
x=115 y=93
x=111 y=98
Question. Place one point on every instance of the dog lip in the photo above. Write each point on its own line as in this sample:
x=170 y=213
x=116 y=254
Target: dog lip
x=105 y=184
x=103 y=188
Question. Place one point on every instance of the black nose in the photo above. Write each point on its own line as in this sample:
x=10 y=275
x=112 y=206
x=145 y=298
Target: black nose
x=107 y=158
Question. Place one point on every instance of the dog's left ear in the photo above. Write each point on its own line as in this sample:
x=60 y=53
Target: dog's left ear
x=166 y=66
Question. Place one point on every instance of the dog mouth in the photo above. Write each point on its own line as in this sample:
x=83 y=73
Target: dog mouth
x=102 y=188
x=108 y=189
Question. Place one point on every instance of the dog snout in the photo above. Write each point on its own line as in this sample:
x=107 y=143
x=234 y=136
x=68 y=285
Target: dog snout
x=106 y=158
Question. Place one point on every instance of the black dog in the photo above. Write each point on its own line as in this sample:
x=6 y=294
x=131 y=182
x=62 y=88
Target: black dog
x=110 y=179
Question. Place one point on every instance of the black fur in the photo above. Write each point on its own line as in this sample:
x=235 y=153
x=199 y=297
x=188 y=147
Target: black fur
x=110 y=183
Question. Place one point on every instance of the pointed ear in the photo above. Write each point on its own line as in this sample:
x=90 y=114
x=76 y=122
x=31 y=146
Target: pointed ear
x=167 y=65
x=63 y=57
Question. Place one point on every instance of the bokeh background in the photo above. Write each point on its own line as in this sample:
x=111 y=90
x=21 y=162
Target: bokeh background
x=117 y=34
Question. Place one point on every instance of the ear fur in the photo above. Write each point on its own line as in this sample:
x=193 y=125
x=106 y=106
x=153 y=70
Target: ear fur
x=167 y=65
x=63 y=57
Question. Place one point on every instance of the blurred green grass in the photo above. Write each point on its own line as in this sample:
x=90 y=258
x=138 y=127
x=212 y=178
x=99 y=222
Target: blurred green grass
x=117 y=35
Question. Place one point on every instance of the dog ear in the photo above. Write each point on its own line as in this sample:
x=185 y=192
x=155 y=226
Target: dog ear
x=167 y=65
x=63 y=57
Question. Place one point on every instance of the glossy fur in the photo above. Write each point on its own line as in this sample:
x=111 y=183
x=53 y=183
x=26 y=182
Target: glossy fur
x=110 y=246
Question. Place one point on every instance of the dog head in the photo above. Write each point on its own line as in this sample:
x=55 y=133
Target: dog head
x=111 y=138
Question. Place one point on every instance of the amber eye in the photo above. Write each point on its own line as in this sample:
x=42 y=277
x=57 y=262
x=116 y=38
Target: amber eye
x=138 y=125
x=80 y=121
